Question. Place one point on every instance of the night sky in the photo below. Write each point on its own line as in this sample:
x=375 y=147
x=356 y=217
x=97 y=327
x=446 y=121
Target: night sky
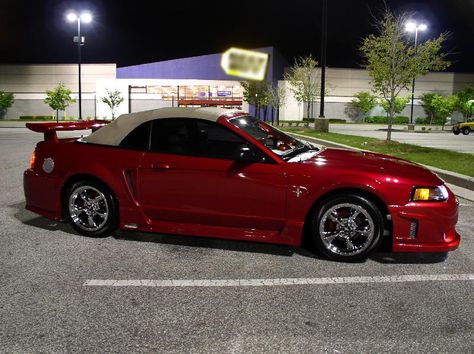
x=135 y=32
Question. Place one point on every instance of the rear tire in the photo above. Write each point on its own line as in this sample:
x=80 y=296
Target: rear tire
x=465 y=130
x=456 y=131
x=91 y=209
x=347 y=228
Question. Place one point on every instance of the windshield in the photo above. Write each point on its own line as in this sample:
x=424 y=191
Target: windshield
x=278 y=142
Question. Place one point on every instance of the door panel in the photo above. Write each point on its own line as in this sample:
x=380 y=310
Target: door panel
x=212 y=191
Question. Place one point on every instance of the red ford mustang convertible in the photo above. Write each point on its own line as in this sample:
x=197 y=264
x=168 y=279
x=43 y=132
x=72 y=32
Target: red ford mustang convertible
x=222 y=173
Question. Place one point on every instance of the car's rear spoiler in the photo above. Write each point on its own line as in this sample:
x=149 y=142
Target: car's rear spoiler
x=50 y=129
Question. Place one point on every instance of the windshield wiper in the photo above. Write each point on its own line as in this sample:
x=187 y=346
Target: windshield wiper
x=297 y=150
x=304 y=147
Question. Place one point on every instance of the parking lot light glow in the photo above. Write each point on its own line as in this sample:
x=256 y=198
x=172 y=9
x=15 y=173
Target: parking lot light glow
x=86 y=17
x=410 y=26
x=71 y=17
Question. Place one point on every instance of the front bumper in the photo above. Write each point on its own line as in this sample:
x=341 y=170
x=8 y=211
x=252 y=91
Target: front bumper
x=42 y=194
x=425 y=226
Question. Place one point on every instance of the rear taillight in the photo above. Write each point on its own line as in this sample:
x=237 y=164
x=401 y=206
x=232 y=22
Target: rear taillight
x=32 y=161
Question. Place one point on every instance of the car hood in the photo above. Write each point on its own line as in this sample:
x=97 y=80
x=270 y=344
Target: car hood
x=363 y=161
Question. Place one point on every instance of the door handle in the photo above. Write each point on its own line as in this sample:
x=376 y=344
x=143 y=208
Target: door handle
x=160 y=166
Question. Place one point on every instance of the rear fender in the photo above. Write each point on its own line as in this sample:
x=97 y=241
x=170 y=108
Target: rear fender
x=129 y=210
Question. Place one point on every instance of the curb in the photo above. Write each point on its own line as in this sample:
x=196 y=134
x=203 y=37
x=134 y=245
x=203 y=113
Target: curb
x=457 y=179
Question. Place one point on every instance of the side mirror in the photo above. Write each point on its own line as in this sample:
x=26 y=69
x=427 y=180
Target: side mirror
x=247 y=155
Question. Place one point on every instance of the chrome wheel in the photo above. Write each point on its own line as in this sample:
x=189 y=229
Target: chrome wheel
x=346 y=229
x=88 y=208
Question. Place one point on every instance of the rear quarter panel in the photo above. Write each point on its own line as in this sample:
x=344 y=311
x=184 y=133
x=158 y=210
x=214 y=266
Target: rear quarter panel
x=72 y=158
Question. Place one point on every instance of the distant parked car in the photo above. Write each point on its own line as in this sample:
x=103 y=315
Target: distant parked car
x=464 y=128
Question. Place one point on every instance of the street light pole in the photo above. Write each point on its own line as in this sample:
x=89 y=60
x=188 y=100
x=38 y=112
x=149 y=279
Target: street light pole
x=413 y=82
x=86 y=17
x=324 y=36
x=79 y=43
x=410 y=27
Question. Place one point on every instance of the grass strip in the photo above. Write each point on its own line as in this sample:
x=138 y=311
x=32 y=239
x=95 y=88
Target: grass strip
x=445 y=159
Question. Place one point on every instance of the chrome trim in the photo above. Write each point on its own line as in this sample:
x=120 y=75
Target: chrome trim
x=346 y=229
x=88 y=208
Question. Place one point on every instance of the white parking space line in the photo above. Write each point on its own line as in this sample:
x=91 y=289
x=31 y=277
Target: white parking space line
x=278 y=281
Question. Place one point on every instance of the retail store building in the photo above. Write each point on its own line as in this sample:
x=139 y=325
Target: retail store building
x=194 y=81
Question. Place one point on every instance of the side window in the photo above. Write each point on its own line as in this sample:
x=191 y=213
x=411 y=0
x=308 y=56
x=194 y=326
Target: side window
x=172 y=136
x=138 y=138
x=195 y=137
x=216 y=141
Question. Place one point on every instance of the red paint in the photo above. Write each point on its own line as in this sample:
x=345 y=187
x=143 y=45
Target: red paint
x=49 y=129
x=225 y=199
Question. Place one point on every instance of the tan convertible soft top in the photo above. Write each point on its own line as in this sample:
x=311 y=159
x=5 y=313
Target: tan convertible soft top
x=114 y=132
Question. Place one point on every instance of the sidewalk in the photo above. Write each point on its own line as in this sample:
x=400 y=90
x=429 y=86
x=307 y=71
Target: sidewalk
x=13 y=124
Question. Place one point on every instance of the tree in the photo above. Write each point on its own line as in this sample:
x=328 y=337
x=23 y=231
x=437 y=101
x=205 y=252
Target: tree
x=6 y=101
x=444 y=106
x=427 y=104
x=59 y=99
x=392 y=61
x=303 y=81
x=113 y=100
x=277 y=100
x=264 y=97
x=464 y=105
x=364 y=102
x=398 y=106
x=257 y=93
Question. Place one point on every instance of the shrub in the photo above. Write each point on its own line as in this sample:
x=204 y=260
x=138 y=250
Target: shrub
x=444 y=106
x=364 y=102
x=384 y=120
x=59 y=99
x=36 y=117
x=113 y=100
x=464 y=104
x=427 y=120
x=427 y=104
x=6 y=101
x=331 y=120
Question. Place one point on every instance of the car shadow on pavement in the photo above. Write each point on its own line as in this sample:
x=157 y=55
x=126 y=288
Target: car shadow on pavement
x=409 y=258
x=384 y=256
x=214 y=243
x=28 y=218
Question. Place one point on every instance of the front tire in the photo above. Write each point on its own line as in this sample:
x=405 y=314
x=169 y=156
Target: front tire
x=456 y=131
x=91 y=209
x=465 y=131
x=347 y=228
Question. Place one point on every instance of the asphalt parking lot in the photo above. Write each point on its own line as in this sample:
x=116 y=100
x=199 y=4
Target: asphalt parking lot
x=137 y=292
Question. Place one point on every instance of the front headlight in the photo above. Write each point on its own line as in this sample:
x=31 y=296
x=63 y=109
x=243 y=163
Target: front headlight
x=437 y=194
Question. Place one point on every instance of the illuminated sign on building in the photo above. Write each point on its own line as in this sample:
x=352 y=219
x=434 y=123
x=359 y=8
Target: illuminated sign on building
x=246 y=64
